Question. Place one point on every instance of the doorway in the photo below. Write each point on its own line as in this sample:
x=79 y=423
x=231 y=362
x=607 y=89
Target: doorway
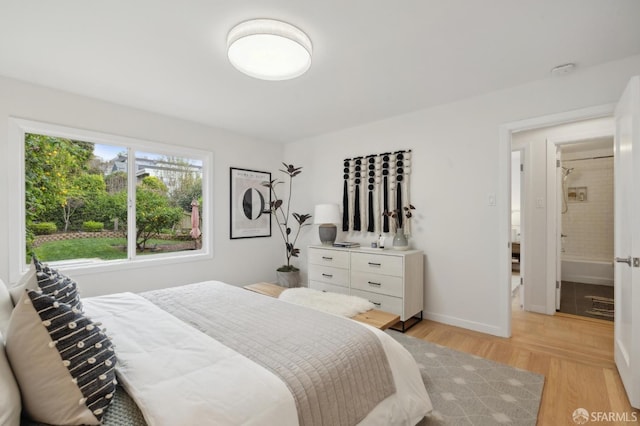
x=517 y=234
x=626 y=119
x=543 y=201
x=538 y=296
x=584 y=181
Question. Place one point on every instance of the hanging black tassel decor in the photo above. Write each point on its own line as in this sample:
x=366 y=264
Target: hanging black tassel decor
x=385 y=191
x=399 y=178
x=375 y=193
x=370 y=181
x=357 y=224
x=345 y=198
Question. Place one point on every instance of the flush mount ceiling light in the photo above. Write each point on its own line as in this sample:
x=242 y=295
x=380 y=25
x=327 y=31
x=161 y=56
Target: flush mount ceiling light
x=269 y=50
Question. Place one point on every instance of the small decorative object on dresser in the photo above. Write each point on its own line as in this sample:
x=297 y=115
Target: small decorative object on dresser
x=288 y=275
x=400 y=241
x=392 y=281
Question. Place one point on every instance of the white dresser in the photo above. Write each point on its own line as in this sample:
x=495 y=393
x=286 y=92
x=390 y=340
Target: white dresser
x=392 y=280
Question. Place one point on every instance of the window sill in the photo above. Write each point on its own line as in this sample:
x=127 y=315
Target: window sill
x=83 y=267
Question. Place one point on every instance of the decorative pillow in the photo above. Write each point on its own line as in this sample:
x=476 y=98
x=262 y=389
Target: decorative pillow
x=6 y=306
x=63 y=361
x=55 y=284
x=10 y=406
x=27 y=280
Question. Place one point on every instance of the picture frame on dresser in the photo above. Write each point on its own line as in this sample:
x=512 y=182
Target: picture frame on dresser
x=248 y=201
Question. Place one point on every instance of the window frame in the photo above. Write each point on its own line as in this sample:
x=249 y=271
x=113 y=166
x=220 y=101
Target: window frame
x=18 y=128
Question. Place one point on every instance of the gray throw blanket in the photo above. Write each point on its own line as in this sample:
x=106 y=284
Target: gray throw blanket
x=336 y=370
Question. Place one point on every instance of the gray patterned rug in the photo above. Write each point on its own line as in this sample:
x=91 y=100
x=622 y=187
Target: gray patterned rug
x=470 y=390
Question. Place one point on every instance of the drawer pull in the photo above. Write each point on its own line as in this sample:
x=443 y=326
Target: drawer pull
x=327 y=275
x=374 y=283
x=375 y=264
x=327 y=258
x=376 y=303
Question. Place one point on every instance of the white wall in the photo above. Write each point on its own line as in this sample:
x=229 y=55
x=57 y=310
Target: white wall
x=456 y=160
x=235 y=261
x=455 y=169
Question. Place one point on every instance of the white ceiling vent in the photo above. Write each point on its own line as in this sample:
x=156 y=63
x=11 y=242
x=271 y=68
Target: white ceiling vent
x=563 y=69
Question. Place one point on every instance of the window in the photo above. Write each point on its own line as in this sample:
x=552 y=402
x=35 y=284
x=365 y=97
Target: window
x=93 y=199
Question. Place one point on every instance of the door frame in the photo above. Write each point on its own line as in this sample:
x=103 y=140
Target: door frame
x=553 y=209
x=504 y=197
x=524 y=151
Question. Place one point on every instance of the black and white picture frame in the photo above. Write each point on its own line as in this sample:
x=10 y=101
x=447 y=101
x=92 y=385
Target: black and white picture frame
x=248 y=202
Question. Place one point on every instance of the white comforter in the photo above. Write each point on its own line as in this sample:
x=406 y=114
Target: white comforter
x=180 y=376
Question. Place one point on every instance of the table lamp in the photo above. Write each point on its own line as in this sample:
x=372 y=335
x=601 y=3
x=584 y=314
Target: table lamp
x=327 y=215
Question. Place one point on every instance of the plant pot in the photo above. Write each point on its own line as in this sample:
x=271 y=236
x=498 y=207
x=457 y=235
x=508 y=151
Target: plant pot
x=288 y=279
x=400 y=241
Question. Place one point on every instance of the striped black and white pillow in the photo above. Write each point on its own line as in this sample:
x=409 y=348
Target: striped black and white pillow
x=51 y=282
x=64 y=362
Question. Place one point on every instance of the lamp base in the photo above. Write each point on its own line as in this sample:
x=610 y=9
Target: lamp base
x=327 y=232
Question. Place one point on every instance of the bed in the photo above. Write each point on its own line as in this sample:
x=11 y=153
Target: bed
x=212 y=353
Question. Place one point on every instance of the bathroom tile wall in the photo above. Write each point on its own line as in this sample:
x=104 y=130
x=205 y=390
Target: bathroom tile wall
x=588 y=225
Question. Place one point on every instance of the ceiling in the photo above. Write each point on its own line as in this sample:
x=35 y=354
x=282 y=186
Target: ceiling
x=372 y=58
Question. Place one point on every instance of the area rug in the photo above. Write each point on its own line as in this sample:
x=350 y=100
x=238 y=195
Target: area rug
x=470 y=390
x=601 y=307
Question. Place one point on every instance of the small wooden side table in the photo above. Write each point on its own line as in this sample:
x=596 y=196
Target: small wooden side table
x=375 y=318
x=268 y=289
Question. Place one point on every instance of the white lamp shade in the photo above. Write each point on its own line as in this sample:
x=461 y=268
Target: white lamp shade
x=326 y=213
x=269 y=50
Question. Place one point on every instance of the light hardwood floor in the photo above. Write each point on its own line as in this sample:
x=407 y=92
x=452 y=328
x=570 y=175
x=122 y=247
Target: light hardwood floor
x=575 y=355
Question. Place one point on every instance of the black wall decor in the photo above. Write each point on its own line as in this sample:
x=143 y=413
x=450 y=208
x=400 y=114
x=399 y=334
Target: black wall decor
x=373 y=184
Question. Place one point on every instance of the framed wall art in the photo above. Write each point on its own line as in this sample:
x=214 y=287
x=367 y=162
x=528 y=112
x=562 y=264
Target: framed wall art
x=249 y=200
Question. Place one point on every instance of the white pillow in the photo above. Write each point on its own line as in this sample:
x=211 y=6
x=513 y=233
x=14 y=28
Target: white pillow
x=63 y=361
x=10 y=406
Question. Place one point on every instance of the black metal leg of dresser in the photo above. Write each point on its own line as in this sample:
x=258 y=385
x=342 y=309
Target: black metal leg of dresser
x=413 y=321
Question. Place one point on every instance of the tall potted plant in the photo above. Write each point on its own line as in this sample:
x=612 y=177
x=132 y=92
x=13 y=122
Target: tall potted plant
x=288 y=275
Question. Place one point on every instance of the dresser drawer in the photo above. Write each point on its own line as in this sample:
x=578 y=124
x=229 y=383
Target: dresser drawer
x=317 y=285
x=381 y=302
x=377 y=283
x=335 y=258
x=327 y=274
x=377 y=264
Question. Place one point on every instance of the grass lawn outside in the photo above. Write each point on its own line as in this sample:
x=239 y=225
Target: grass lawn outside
x=89 y=248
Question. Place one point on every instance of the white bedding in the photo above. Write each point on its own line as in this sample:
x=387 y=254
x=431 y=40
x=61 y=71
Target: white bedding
x=178 y=375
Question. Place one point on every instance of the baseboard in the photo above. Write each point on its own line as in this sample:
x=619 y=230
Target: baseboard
x=469 y=325
x=540 y=309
